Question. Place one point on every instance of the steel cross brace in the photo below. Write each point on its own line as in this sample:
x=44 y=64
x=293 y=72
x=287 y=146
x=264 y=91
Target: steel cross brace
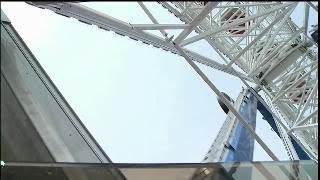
x=103 y=21
x=225 y=101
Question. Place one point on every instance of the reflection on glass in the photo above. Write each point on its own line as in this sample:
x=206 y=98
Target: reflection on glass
x=282 y=170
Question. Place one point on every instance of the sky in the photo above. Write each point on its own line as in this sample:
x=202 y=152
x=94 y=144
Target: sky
x=142 y=104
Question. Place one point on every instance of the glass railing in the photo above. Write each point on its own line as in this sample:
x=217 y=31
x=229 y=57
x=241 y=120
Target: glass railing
x=280 y=170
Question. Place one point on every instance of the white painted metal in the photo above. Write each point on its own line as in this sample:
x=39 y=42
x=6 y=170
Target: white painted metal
x=288 y=108
x=235 y=23
x=259 y=37
x=227 y=103
x=206 y=10
x=306 y=17
x=91 y=16
x=313 y=6
x=305 y=127
x=145 y=9
x=159 y=26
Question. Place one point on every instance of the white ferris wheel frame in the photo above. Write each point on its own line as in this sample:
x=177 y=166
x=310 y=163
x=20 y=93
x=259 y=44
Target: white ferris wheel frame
x=266 y=25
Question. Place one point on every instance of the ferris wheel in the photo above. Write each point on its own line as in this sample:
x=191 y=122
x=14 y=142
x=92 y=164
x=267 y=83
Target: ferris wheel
x=258 y=42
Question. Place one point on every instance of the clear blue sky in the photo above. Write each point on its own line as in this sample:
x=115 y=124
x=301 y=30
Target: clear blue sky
x=142 y=104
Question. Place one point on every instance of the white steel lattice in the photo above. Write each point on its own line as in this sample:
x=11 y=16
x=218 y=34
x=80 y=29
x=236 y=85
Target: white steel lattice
x=260 y=38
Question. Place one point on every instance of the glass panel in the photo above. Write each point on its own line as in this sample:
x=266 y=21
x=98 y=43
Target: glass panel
x=283 y=170
x=32 y=104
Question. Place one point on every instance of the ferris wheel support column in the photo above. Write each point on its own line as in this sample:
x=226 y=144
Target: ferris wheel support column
x=277 y=119
x=302 y=145
x=226 y=102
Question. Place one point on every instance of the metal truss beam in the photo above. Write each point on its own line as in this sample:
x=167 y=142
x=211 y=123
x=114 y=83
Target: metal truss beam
x=159 y=26
x=236 y=50
x=306 y=17
x=235 y=23
x=226 y=102
x=313 y=91
x=304 y=127
x=91 y=16
x=145 y=9
x=305 y=147
x=311 y=115
x=265 y=31
x=312 y=5
x=285 y=46
x=206 y=10
x=276 y=97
